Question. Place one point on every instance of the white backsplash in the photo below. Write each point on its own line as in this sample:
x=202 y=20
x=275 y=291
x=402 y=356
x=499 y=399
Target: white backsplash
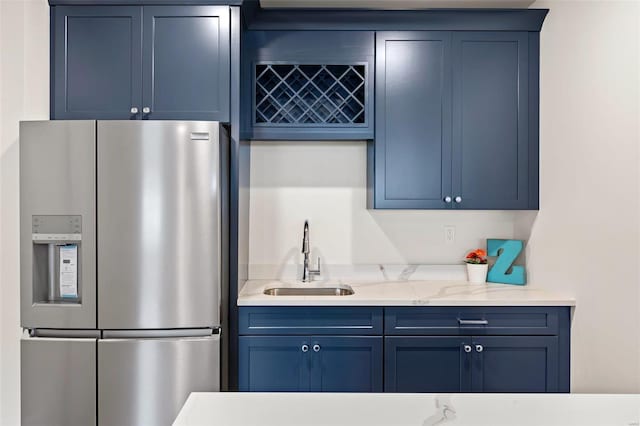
x=325 y=182
x=362 y=273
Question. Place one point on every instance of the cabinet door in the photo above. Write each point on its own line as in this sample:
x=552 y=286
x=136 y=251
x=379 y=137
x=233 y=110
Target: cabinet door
x=96 y=70
x=515 y=364
x=490 y=120
x=413 y=120
x=427 y=364
x=346 y=364
x=274 y=363
x=186 y=63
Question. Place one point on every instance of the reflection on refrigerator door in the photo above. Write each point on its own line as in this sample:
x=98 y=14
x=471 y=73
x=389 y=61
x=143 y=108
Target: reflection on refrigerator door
x=159 y=224
x=146 y=381
x=58 y=381
x=58 y=224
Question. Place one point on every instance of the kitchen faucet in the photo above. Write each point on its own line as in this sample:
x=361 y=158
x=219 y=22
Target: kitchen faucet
x=307 y=274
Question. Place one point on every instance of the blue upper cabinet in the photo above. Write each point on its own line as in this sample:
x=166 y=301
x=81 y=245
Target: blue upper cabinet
x=491 y=120
x=412 y=148
x=151 y=62
x=96 y=62
x=301 y=85
x=186 y=60
x=456 y=121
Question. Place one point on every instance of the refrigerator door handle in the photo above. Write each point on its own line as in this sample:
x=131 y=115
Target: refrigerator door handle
x=63 y=333
x=150 y=334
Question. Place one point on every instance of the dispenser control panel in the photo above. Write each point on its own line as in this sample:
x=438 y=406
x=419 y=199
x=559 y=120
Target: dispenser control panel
x=51 y=229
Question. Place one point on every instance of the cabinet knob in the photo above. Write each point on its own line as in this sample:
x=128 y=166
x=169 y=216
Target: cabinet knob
x=458 y=199
x=479 y=348
x=146 y=110
x=467 y=348
x=316 y=348
x=305 y=348
x=134 y=110
x=447 y=199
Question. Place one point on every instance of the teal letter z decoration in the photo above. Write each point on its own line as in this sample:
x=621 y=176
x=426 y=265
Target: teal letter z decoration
x=507 y=252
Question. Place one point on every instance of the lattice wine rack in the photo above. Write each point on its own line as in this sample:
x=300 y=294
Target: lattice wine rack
x=294 y=95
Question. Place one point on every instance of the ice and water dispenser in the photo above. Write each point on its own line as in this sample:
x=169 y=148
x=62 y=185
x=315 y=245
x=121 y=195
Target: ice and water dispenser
x=57 y=251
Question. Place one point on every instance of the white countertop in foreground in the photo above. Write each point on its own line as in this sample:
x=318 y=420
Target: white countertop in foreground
x=334 y=409
x=407 y=293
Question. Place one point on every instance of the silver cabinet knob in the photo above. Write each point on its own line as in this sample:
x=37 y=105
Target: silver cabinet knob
x=467 y=348
x=305 y=348
x=458 y=199
x=316 y=348
x=447 y=199
x=479 y=348
x=146 y=110
x=134 y=110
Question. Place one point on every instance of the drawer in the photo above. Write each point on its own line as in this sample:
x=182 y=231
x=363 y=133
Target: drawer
x=463 y=321
x=310 y=320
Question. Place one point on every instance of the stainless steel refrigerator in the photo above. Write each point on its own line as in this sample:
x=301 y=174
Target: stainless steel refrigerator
x=122 y=229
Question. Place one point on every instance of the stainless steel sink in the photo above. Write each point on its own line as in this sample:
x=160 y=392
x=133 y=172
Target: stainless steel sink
x=337 y=290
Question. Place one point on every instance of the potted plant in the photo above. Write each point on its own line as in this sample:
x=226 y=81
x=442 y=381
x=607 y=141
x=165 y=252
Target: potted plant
x=477 y=266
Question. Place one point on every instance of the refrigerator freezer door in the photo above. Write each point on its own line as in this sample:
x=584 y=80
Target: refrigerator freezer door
x=158 y=226
x=58 y=381
x=146 y=381
x=57 y=207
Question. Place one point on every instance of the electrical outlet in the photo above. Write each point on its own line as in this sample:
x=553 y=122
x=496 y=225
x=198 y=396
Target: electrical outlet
x=449 y=234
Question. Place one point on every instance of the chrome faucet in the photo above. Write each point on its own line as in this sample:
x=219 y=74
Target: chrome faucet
x=307 y=274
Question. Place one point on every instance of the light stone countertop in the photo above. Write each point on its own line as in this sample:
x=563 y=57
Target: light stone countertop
x=406 y=293
x=392 y=409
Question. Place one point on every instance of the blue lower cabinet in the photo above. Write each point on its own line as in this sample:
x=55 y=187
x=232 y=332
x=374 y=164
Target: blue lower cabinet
x=472 y=364
x=316 y=364
x=347 y=349
x=427 y=364
x=274 y=364
x=346 y=364
x=515 y=364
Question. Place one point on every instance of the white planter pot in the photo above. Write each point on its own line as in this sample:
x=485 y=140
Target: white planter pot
x=477 y=274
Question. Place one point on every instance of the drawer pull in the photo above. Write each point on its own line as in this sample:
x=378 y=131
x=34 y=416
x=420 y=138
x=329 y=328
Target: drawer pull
x=472 y=322
x=467 y=348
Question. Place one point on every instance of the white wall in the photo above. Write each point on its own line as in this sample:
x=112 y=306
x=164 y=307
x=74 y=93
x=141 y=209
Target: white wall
x=325 y=182
x=24 y=94
x=585 y=239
